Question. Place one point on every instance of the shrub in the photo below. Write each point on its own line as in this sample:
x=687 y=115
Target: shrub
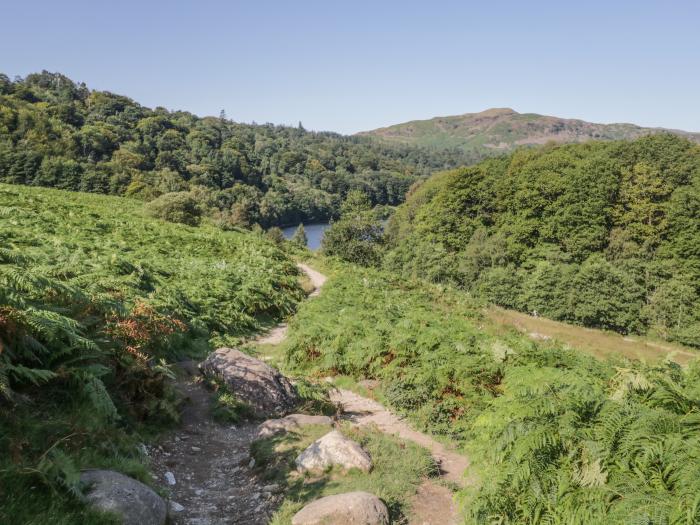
x=180 y=207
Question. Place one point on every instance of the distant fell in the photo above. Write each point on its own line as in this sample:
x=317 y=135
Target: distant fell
x=500 y=130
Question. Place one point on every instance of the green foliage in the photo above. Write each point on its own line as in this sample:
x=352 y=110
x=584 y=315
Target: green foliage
x=590 y=233
x=299 y=238
x=95 y=299
x=180 y=207
x=555 y=435
x=56 y=133
x=358 y=236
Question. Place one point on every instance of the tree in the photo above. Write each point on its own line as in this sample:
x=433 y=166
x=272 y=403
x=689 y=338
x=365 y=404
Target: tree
x=299 y=236
x=275 y=235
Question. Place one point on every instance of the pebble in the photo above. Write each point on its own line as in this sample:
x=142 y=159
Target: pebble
x=195 y=449
x=170 y=478
x=251 y=464
x=176 y=507
x=271 y=488
x=199 y=492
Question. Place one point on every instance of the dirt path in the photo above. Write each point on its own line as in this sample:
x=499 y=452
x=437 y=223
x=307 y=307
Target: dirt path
x=210 y=463
x=212 y=469
x=433 y=503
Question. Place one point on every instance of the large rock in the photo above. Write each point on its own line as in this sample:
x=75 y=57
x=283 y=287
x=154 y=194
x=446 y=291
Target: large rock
x=290 y=423
x=136 y=503
x=351 y=508
x=251 y=381
x=333 y=449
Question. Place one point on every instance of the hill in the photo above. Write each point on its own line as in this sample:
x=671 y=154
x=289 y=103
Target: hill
x=500 y=130
x=603 y=234
x=96 y=301
x=57 y=133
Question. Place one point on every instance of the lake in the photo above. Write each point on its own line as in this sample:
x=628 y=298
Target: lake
x=314 y=233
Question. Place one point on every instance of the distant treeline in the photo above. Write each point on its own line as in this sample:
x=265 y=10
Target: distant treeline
x=55 y=132
x=601 y=234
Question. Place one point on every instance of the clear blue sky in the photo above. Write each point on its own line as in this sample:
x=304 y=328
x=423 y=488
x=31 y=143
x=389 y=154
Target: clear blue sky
x=356 y=65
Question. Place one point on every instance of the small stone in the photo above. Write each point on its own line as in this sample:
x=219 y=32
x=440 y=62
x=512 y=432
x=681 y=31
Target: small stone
x=176 y=507
x=199 y=492
x=196 y=449
x=177 y=439
x=271 y=488
x=169 y=478
x=251 y=463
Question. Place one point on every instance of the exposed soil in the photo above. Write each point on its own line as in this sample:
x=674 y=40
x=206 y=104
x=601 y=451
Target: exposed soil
x=211 y=464
x=433 y=504
x=214 y=480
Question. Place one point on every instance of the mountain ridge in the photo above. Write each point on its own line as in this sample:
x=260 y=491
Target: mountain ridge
x=500 y=130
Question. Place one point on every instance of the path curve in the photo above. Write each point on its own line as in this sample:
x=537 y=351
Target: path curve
x=364 y=411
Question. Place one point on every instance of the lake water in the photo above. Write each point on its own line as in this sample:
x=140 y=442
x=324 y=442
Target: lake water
x=314 y=233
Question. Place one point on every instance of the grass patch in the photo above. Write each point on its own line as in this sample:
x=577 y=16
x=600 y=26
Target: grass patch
x=399 y=468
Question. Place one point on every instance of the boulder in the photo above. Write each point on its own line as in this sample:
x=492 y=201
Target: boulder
x=253 y=382
x=351 y=508
x=290 y=423
x=134 y=502
x=331 y=450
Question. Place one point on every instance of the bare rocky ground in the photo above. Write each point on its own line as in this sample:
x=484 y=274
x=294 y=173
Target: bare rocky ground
x=211 y=465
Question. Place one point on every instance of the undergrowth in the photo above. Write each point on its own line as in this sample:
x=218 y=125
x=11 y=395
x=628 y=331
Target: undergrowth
x=95 y=301
x=554 y=435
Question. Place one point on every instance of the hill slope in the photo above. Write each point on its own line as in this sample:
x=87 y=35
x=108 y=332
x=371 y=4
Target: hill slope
x=604 y=234
x=95 y=300
x=501 y=130
x=57 y=133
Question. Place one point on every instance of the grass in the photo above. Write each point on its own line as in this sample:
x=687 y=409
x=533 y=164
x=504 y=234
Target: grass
x=399 y=468
x=598 y=343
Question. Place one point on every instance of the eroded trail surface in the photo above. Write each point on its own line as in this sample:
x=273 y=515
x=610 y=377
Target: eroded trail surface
x=210 y=464
x=433 y=503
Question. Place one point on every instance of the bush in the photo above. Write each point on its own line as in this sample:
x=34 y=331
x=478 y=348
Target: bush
x=180 y=207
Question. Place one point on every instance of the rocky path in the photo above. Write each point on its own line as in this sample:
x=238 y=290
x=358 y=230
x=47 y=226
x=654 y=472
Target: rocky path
x=210 y=465
x=207 y=469
x=433 y=503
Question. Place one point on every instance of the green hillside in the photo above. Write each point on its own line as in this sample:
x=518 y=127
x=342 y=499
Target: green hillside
x=601 y=234
x=496 y=131
x=553 y=435
x=96 y=300
x=57 y=133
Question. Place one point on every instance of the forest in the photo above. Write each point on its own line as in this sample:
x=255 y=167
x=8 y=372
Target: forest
x=57 y=133
x=605 y=235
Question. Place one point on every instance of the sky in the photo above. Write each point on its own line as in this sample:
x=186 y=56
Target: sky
x=358 y=65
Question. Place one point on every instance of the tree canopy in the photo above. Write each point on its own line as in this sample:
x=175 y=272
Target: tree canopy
x=598 y=233
x=58 y=133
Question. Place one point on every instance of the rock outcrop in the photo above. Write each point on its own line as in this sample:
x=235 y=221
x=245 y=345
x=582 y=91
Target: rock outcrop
x=253 y=382
x=134 y=502
x=333 y=449
x=290 y=423
x=351 y=508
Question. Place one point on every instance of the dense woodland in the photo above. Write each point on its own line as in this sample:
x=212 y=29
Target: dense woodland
x=602 y=234
x=58 y=133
